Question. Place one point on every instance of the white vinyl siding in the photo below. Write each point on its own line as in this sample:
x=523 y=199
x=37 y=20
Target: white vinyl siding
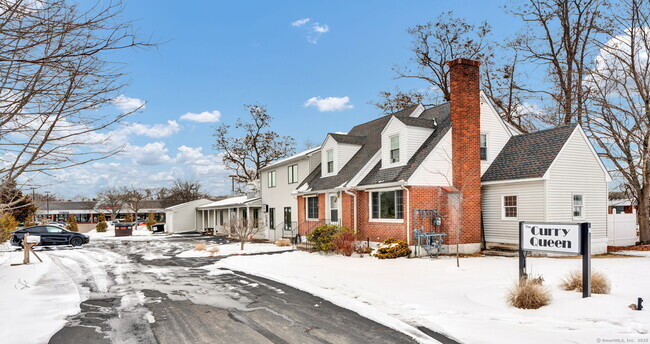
x=577 y=171
x=410 y=140
x=342 y=153
x=497 y=133
x=530 y=207
x=436 y=169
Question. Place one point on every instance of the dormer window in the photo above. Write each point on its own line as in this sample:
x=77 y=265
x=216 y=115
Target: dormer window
x=330 y=161
x=394 y=149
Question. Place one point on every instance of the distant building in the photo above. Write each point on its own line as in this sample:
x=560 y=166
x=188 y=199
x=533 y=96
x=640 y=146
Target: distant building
x=87 y=212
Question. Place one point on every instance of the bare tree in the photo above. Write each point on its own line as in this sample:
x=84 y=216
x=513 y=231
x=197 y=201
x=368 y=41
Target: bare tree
x=308 y=144
x=255 y=149
x=444 y=39
x=243 y=229
x=56 y=82
x=619 y=116
x=134 y=198
x=559 y=35
x=112 y=199
x=181 y=191
x=396 y=100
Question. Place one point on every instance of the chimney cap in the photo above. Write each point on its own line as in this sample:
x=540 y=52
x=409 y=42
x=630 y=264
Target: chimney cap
x=464 y=62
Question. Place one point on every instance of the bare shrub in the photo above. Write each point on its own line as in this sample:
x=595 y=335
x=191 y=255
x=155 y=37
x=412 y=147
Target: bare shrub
x=283 y=242
x=200 y=246
x=243 y=230
x=529 y=294
x=599 y=282
x=212 y=249
x=345 y=243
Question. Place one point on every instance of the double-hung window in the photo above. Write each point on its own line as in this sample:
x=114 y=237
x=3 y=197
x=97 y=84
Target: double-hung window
x=387 y=205
x=483 y=144
x=293 y=174
x=272 y=179
x=510 y=207
x=312 y=208
x=578 y=206
x=330 y=161
x=394 y=149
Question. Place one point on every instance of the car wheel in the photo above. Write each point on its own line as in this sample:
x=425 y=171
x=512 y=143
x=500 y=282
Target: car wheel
x=76 y=241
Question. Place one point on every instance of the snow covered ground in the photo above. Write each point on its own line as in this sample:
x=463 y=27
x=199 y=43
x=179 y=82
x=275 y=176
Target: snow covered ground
x=39 y=295
x=468 y=303
x=234 y=249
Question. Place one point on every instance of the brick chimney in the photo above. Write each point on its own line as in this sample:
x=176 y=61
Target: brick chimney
x=466 y=130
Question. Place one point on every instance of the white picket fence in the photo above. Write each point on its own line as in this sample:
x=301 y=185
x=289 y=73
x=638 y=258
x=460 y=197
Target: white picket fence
x=621 y=229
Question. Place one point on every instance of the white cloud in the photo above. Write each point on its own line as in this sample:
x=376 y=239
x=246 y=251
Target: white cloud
x=320 y=28
x=128 y=104
x=153 y=153
x=203 y=117
x=329 y=103
x=191 y=156
x=151 y=130
x=313 y=32
x=300 y=22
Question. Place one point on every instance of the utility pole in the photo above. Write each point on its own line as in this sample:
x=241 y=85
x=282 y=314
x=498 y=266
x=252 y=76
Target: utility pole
x=232 y=179
x=47 y=201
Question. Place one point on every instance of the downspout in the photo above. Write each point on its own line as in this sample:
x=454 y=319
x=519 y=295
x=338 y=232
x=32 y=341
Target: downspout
x=408 y=212
x=354 y=195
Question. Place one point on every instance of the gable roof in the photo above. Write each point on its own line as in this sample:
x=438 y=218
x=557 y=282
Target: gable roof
x=371 y=143
x=529 y=155
x=349 y=139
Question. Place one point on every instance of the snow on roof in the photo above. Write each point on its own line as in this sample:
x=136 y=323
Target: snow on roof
x=229 y=202
x=301 y=154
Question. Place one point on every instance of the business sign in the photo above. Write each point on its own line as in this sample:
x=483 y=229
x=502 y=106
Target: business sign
x=557 y=237
x=551 y=237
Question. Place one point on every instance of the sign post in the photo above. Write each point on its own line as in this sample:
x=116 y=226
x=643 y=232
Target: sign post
x=573 y=238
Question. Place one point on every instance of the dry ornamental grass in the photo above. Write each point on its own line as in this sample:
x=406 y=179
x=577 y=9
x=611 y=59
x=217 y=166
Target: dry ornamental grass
x=599 y=282
x=529 y=294
x=200 y=246
x=283 y=242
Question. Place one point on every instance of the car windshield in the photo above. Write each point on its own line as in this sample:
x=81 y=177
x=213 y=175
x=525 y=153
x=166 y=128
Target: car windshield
x=51 y=229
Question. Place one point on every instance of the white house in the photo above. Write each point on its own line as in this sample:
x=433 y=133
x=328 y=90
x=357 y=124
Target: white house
x=185 y=217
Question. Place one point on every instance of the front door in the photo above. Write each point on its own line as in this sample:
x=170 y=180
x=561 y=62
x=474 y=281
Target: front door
x=287 y=219
x=334 y=208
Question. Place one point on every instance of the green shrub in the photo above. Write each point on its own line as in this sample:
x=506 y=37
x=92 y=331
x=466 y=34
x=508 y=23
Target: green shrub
x=101 y=224
x=323 y=236
x=8 y=224
x=393 y=248
x=71 y=224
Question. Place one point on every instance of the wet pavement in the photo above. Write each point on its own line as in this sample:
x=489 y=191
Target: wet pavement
x=138 y=292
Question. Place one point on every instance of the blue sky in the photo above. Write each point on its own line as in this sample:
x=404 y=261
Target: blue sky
x=220 y=55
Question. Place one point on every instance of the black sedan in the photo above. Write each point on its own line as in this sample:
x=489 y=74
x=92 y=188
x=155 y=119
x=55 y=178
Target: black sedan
x=50 y=235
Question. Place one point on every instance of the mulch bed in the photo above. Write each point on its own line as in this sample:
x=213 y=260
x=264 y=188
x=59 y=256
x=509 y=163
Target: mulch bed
x=645 y=247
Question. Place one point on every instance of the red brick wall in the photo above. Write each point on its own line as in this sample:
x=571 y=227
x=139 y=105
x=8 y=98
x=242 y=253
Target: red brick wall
x=304 y=224
x=466 y=129
x=346 y=204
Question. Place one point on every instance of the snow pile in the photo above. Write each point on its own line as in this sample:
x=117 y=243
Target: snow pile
x=234 y=249
x=467 y=303
x=38 y=295
x=138 y=234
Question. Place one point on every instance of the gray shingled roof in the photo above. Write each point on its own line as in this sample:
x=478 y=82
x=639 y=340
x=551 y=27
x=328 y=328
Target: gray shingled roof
x=371 y=131
x=528 y=155
x=351 y=139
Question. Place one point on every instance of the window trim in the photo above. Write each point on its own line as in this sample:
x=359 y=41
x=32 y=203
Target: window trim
x=503 y=207
x=390 y=151
x=487 y=146
x=307 y=208
x=396 y=220
x=274 y=179
x=328 y=161
x=293 y=174
x=583 y=206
